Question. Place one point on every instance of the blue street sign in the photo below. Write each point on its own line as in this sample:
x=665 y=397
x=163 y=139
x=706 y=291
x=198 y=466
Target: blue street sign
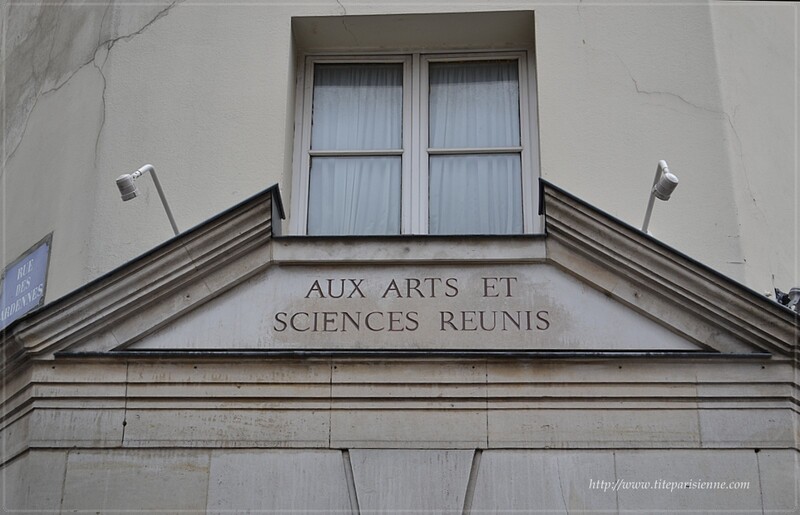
x=24 y=281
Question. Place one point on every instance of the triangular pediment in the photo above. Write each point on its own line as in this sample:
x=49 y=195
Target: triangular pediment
x=592 y=285
x=522 y=306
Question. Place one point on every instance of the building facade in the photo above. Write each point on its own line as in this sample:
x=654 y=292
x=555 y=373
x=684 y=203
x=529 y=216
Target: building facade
x=442 y=300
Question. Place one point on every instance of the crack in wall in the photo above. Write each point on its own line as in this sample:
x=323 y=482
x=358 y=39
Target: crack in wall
x=641 y=91
x=102 y=24
x=103 y=113
x=160 y=14
x=729 y=118
x=53 y=42
x=108 y=44
x=37 y=83
x=765 y=225
x=745 y=173
x=344 y=22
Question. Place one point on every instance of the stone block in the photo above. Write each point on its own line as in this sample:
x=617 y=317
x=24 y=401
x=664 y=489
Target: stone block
x=227 y=395
x=70 y=427
x=226 y=428
x=748 y=428
x=142 y=480
x=409 y=372
x=270 y=481
x=33 y=482
x=659 y=475
x=593 y=428
x=537 y=481
x=779 y=472
x=450 y=428
x=78 y=372
x=428 y=481
x=262 y=372
x=15 y=436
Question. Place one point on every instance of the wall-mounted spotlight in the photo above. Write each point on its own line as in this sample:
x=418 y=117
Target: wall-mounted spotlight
x=791 y=300
x=128 y=190
x=664 y=184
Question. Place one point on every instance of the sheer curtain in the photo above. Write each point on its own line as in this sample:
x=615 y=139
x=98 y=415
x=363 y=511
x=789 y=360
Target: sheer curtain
x=356 y=107
x=474 y=105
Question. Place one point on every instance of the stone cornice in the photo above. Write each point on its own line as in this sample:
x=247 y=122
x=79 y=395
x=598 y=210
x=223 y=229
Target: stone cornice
x=577 y=231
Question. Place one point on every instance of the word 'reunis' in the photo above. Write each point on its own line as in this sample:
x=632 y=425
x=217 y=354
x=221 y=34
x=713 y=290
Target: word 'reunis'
x=338 y=293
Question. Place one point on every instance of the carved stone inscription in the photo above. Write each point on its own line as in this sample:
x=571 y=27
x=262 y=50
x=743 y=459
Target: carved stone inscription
x=331 y=313
x=415 y=306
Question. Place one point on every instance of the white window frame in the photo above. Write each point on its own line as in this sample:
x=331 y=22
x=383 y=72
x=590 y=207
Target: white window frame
x=415 y=152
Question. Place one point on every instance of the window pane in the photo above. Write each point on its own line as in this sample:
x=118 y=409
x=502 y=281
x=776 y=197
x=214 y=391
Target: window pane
x=357 y=107
x=354 y=195
x=474 y=104
x=475 y=194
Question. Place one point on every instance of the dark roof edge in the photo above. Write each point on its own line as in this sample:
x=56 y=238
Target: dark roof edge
x=412 y=353
x=719 y=275
x=273 y=190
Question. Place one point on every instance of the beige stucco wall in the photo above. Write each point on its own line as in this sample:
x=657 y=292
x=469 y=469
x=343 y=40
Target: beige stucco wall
x=205 y=92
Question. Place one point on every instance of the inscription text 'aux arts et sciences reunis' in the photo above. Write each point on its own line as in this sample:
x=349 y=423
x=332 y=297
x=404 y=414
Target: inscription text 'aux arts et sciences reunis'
x=338 y=291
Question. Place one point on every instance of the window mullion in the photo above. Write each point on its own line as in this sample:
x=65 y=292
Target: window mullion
x=421 y=143
x=407 y=214
x=355 y=153
x=474 y=150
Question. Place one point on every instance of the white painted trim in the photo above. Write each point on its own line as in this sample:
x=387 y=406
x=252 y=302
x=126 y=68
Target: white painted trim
x=356 y=153
x=298 y=201
x=412 y=207
x=406 y=196
x=423 y=198
x=534 y=159
x=527 y=178
x=305 y=161
x=302 y=179
x=475 y=150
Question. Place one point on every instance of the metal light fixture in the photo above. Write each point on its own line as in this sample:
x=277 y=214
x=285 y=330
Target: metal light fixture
x=128 y=190
x=664 y=184
x=791 y=300
x=794 y=299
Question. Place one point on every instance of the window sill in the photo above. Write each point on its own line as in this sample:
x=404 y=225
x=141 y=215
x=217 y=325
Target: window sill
x=409 y=249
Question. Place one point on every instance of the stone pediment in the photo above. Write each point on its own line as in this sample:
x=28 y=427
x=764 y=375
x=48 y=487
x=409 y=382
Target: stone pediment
x=591 y=286
x=519 y=306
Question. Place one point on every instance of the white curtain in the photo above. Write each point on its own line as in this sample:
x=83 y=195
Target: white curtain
x=354 y=195
x=475 y=194
x=474 y=105
x=356 y=107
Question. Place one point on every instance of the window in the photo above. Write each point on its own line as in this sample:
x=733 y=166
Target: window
x=414 y=144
